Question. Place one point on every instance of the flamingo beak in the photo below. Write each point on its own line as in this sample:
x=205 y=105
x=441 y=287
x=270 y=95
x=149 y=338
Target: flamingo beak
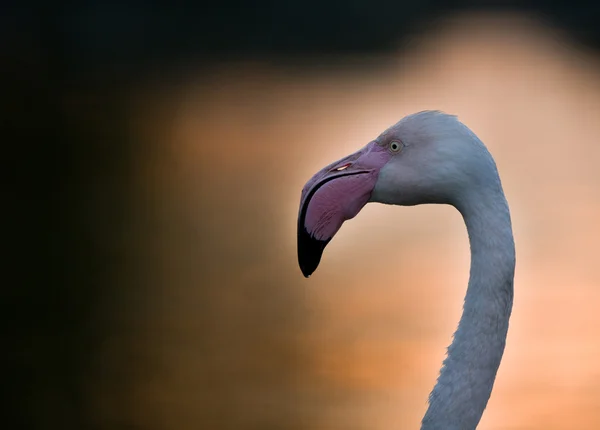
x=334 y=195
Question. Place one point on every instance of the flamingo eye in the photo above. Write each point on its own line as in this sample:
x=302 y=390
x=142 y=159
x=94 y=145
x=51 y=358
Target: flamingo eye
x=395 y=146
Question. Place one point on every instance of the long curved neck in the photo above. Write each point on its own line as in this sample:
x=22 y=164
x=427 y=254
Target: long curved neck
x=468 y=373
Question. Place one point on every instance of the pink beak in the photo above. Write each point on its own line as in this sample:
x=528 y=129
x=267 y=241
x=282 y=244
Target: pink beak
x=335 y=194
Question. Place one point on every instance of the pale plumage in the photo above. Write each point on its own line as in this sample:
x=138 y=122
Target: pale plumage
x=430 y=157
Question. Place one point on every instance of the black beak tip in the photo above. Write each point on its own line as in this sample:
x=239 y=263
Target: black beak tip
x=310 y=251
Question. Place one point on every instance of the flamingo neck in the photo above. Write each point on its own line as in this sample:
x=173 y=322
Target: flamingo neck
x=467 y=376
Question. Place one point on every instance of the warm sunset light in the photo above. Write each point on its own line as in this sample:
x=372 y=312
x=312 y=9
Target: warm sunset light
x=232 y=336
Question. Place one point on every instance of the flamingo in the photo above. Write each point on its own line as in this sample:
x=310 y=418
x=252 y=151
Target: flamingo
x=431 y=157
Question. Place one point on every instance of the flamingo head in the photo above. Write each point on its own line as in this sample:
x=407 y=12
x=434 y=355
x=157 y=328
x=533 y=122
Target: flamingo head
x=427 y=157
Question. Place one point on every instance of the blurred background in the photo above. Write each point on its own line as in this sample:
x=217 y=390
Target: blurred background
x=154 y=160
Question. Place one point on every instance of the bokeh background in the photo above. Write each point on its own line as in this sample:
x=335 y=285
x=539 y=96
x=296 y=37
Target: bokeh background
x=154 y=160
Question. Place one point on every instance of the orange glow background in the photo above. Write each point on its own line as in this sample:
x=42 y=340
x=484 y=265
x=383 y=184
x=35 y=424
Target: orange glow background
x=227 y=334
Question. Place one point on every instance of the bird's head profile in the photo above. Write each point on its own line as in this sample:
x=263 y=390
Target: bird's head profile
x=427 y=157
